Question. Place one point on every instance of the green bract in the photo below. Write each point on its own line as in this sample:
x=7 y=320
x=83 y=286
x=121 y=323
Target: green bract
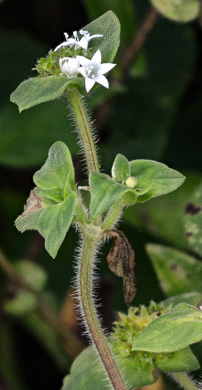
x=180 y=10
x=43 y=89
x=51 y=206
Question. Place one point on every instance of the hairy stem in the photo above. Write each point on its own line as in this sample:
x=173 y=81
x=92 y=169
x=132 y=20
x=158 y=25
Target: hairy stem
x=183 y=380
x=91 y=239
x=84 y=129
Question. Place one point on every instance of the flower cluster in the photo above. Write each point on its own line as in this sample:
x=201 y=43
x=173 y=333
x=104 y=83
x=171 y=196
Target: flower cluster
x=91 y=69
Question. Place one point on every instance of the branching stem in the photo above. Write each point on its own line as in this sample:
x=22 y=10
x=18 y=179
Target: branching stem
x=91 y=239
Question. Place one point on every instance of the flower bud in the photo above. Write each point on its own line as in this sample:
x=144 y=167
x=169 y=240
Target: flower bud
x=131 y=182
x=69 y=66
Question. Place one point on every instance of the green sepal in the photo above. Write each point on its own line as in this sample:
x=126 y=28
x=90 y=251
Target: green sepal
x=172 y=331
x=177 y=271
x=57 y=174
x=108 y=25
x=28 y=222
x=121 y=169
x=183 y=360
x=54 y=223
x=36 y=90
x=179 y=11
x=105 y=192
x=156 y=178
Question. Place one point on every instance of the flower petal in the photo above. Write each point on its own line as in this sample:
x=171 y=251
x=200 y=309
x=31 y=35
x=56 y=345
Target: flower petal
x=95 y=36
x=89 y=83
x=97 y=57
x=103 y=81
x=106 y=67
x=83 y=43
x=82 y=71
x=83 y=60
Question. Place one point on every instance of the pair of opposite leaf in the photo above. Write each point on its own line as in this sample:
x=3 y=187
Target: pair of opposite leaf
x=52 y=206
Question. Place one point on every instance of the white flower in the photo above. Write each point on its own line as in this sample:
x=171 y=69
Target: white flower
x=93 y=70
x=69 y=66
x=82 y=43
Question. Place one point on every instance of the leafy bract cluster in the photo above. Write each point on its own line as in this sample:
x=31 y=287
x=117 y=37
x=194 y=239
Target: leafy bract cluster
x=146 y=341
x=56 y=202
x=53 y=82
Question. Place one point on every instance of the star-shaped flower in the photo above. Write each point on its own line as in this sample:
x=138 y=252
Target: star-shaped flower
x=82 y=43
x=93 y=70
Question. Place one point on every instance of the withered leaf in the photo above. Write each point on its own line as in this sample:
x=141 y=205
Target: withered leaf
x=121 y=263
x=33 y=204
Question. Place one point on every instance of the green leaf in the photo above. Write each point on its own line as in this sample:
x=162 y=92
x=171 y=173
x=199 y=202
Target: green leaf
x=172 y=331
x=155 y=175
x=24 y=302
x=192 y=298
x=56 y=173
x=28 y=222
x=177 y=272
x=34 y=275
x=86 y=373
x=125 y=15
x=121 y=169
x=108 y=25
x=193 y=220
x=179 y=11
x=183 y=360
x=54 y=223
x=105 y=192
x=43 y=89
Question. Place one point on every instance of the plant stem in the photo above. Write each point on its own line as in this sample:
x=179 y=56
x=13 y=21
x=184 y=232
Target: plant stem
x=91 y=239
x=183 y=380
x=84 y=129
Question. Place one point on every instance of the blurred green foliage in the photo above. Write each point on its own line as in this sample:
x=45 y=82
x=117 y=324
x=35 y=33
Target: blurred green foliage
x=156 y=114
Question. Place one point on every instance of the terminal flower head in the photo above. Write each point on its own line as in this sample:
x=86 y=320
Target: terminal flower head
x=79 y=43
x=69 y=66
x=93 y=71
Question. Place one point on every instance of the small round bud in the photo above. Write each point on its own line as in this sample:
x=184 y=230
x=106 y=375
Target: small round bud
x=69 y=66
x=131 y=182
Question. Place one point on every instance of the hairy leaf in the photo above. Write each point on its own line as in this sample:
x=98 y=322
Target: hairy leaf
x=172 y=331
x=155 y=176
x=40 y=90
x=54 y=223
x=105 y=192
x=108 y=25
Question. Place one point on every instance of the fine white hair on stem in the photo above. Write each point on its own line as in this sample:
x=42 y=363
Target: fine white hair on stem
x=77 y=131
x=92 y=276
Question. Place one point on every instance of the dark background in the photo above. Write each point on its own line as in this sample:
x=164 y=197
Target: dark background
x=156 y=114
